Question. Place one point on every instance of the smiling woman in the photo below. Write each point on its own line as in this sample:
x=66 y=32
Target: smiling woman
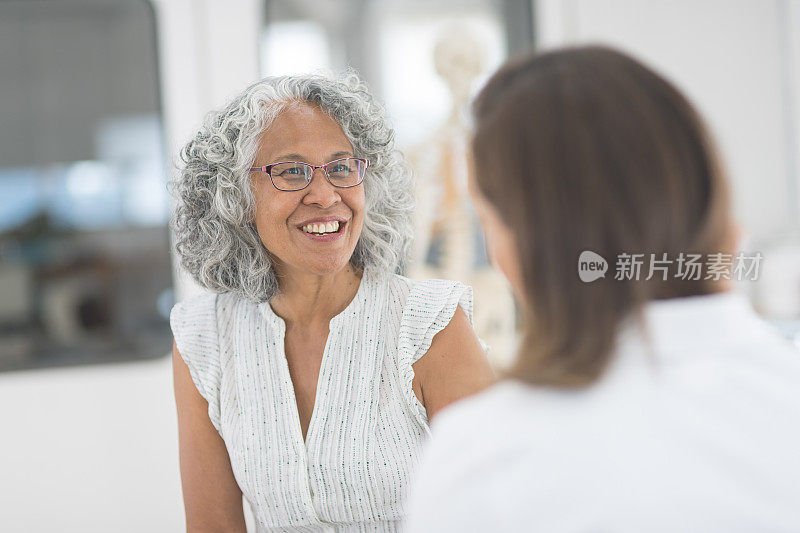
x=307 y=379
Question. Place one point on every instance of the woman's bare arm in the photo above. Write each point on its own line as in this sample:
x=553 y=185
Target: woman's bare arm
x=211 y=496
x=454 y=367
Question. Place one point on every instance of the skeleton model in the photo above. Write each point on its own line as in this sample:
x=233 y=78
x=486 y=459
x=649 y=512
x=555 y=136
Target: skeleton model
x=449 y=242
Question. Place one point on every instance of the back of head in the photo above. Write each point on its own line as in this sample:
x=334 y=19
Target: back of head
x=587 y=149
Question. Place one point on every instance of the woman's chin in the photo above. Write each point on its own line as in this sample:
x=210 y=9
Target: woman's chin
x=327 y=267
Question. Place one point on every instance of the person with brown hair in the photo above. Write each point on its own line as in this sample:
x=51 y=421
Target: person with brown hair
x=650 y=400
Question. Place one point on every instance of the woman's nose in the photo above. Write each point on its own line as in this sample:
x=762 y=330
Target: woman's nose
x=320 y=191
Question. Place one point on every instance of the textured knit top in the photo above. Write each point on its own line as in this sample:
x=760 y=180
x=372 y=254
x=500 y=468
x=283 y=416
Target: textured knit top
x=367 y=427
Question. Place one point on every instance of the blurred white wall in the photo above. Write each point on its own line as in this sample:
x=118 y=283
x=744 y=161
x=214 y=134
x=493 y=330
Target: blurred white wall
x=90 y=449
x=95 y=449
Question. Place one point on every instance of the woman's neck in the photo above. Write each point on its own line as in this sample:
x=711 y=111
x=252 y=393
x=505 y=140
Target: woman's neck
x=312 y=299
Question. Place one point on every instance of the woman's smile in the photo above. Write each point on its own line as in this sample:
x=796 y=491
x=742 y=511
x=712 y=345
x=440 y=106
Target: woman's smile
x=323 y=229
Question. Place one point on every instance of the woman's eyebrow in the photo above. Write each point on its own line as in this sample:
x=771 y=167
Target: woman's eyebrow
x=290 y=157
x=302 y=159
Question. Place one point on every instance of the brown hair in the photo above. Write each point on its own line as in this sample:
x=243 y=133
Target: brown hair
x=587 y=149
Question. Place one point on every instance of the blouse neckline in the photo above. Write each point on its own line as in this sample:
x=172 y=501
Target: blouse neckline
x=352 y=307
x=326 y=371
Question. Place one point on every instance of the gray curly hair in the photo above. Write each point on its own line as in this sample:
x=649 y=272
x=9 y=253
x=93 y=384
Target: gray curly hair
x=213 y=222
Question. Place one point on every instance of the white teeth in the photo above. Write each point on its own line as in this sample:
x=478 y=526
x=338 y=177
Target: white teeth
x=322 y=229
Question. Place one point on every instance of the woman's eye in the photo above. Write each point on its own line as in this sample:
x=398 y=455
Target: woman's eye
x=291 y=172
x=340 y=168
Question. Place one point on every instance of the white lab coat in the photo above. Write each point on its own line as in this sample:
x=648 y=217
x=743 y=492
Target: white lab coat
x=698 y=431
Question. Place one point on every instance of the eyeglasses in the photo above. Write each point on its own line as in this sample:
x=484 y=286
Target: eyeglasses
x=295 y=176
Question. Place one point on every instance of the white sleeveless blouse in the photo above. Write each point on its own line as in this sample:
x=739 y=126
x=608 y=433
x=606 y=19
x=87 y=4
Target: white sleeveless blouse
x=367 y=427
